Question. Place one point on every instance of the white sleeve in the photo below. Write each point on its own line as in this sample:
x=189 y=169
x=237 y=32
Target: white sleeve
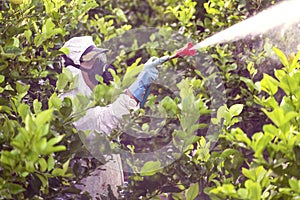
x=105 y=119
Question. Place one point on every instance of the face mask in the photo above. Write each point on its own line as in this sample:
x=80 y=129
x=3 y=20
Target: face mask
x=98 y=68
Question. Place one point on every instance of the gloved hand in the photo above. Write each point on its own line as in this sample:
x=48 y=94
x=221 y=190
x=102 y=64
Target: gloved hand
x=146 y=77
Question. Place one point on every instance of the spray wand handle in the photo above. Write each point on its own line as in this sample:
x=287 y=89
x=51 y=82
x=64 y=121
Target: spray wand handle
x=185 y=51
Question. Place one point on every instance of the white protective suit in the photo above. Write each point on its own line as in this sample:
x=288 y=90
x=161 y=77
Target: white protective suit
x=98 y=120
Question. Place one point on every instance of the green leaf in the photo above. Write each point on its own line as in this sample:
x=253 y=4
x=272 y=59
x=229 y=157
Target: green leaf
x=63 y=171
x=215 y=121
x=14 y=188
x=279 y=73
x=294 y=184
x=283 y=59
x=57 y=172
x=192 y=192
x=44 y=117
x=269 y=84
x=169 y=104
x=43 y=179
x=29 y=166
x=68 y=73
x=7 y=159
x=41 y=145
x=254 y=190
x=242 y=192
x=249 y=174
x=2 y=78
x=28 y=35
x=231 y=67
x=131 y=72
x=120 y=14
x=295 y=62
x=62 y=81
x=53 y=141
x=43 y=164
x=81 y=101
x=276 y=115
x=22 y=88
x=248 y=82
x=225 y=190
x=259 y=143
x=221 y=112
x=236 y=109
x=289 y=84
x=9 y=88
x=227 y=152
x=65 y=50
x=5 y=109
x=241 y=136
x=50 y=163
x=54 y=101
x=48 y=30
x=150 y=168
x=255 y=174
x=23 y=111
x=23 y=59
x=271 y=129
x=37 y=106
x=66 y=108
x=289 y=116
x=18 y=142
x=251 y=69
x=11 y=52
x=279 y=117
x=260 y=173
x=66 y=166
x=270 y=102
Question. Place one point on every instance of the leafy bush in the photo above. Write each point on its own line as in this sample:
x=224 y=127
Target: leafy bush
x=272 y=161
x=256 y=156
x=40 y=150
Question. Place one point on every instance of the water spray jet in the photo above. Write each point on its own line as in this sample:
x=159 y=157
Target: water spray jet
x=285 y=13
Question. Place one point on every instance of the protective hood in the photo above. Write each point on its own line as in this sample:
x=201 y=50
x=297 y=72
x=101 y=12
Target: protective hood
x=77 y=46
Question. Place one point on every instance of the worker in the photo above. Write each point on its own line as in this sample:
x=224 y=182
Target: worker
x=85 y=60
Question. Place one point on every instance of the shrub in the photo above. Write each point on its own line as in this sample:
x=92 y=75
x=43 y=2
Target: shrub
x=41 y=152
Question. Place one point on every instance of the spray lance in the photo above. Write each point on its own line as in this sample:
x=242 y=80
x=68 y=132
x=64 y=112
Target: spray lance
x=188 y=50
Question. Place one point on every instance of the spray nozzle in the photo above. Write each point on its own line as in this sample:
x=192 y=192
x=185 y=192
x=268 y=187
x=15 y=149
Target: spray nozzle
x=186 y=51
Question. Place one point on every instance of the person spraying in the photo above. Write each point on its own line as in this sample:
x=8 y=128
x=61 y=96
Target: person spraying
x=85 y=60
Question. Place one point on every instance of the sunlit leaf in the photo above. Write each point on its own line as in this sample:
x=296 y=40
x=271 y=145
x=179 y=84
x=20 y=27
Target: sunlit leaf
x=192 y=192
x=236 y=109
x=44 y=117
x=131 y=72
x=269 y=84
x=281 y=56
x=150 y=168
x=14 y=188
x=254 y=190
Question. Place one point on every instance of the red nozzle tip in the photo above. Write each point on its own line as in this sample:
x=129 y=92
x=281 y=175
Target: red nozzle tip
x=186 y=51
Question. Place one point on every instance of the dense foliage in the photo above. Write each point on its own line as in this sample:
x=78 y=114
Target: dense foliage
x=254 y=150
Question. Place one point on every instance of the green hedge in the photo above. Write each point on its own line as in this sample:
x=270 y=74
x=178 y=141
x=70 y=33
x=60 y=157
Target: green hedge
x=41 y=151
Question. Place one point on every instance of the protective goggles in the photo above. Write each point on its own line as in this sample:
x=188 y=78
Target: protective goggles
x=99 y=67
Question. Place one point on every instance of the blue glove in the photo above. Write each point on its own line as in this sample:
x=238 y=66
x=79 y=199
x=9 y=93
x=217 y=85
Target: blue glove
x=146 y=77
